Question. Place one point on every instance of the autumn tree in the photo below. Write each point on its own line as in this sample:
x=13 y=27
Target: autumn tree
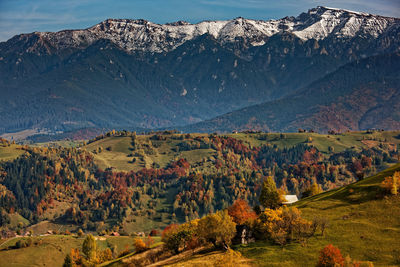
x=241 y=212
x=313 y=190
x=73 y=258
x=217 y=228
x=270 y=197
x=171 y=238
x=4 y=218
x=177 y=237
x=391 y=183
x=89 y=248
x=80 y=232
x=139 y=245
x=149 y=241
x=330 y=256
x=285 y=224
x=105 y=255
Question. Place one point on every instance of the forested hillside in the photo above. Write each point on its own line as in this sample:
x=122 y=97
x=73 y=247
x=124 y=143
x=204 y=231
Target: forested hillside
x=358 y=96
x=140 y=182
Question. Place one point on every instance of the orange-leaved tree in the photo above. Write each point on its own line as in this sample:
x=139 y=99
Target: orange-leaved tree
x=330 y=256
x=139 y=245
x=391 y=183
x=241 y=212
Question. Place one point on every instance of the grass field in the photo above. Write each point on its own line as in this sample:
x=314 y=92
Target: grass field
x=361 y=223
x=50 y=253
x=210 y=259
x=120 y=156
x=10 y=152
x=52 y=249
x=119 y=153
x=339 y=142
x=136 y=221
x=62 y=143
x=118 y=261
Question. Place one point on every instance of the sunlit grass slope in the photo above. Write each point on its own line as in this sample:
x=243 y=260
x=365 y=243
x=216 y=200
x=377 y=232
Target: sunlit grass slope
x=362 y=223
x=117 y=151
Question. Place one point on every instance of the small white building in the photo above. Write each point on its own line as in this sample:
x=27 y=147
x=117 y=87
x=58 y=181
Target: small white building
x=290 y=199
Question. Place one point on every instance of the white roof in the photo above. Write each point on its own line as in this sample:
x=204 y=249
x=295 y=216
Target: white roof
x=290 y=199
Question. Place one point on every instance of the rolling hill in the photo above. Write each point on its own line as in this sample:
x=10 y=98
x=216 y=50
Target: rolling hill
x=140 y=181
x=132 y=183
x=362 y=223
x=117 y=151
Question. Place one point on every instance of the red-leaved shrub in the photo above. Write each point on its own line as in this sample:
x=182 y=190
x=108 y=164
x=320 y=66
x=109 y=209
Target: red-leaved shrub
x=330 y=256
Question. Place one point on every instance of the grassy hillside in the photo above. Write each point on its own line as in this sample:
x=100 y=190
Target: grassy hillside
x=341 y=142
x=117 y=152
x=361 y=223
x=121 y=157
x=149 y=187
x=51 y=250
x=10 y=152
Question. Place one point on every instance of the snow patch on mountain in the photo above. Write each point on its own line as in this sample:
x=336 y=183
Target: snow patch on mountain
x=141 y=35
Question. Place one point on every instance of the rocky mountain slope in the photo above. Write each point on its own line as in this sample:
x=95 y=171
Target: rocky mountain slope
x=141 y=35
x=134 y=73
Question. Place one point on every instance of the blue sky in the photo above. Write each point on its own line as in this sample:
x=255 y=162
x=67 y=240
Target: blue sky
x=23 y=16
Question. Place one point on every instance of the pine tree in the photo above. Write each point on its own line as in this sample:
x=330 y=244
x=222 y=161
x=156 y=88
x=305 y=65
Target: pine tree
x=67 y=261
x=89 y=247
x=315 y=189
x=270 y=197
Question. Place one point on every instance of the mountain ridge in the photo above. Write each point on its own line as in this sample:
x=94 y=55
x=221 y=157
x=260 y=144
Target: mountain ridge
x=142 y=35
x=367 y=86
x=99 y=83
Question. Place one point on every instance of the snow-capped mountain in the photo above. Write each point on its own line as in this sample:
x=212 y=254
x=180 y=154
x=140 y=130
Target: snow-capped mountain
x=132 y=35
x=135 y=73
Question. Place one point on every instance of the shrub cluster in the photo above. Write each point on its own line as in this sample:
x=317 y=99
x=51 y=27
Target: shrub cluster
x=217 y=229
x=285 y=224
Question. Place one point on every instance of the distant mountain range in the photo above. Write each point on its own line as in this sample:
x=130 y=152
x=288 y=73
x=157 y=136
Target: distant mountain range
x=363 y=94
x=277 y=74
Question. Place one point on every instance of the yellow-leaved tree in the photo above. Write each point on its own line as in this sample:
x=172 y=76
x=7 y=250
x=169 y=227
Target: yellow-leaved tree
x=391 y=183
x=217 y=228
